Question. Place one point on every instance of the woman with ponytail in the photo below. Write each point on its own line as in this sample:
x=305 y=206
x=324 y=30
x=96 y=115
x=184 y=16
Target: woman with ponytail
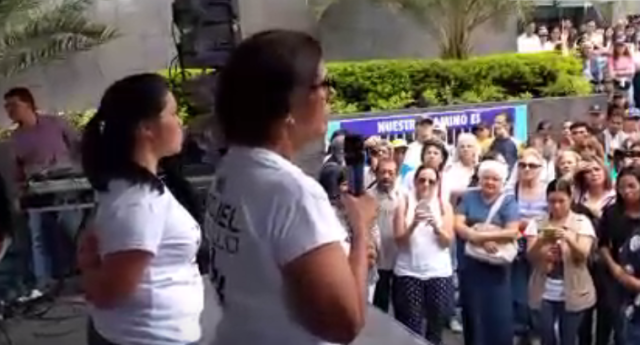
x=139 y=268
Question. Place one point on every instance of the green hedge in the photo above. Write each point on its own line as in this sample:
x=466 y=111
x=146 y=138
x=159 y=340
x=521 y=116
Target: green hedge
x=396 y=84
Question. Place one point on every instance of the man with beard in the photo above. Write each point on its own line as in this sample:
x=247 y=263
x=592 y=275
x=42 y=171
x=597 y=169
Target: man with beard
x=388 y=194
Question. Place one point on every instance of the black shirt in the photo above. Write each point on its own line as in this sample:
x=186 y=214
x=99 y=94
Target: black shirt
x=614 y=229
x=507 y=148
x=6 y=211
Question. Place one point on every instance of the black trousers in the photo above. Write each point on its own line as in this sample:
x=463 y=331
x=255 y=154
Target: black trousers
x=609 y=323
x=384 y=286
x=95 y=338
x=416 y=299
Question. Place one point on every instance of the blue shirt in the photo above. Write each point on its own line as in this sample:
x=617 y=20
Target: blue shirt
x=473 y=206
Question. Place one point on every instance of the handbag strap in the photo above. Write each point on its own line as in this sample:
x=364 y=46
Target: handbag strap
x=494 y=209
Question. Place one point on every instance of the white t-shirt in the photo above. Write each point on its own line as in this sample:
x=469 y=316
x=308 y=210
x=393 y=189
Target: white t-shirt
x=165 y=308
x=529 y=44
x=424 y=258
x=263 y=212
x=457 y=177
x=554 y=288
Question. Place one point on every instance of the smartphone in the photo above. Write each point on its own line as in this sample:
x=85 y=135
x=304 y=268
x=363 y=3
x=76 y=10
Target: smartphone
x=354 y=156
x=548 y=232
x=423 y=206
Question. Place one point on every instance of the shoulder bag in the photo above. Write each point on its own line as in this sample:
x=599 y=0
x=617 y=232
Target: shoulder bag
x=506 y=252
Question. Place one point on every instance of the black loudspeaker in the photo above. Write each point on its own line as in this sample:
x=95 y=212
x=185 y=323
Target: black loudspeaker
x=207 y=31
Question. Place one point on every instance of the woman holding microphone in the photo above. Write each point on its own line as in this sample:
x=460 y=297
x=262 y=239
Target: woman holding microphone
x=284 y=267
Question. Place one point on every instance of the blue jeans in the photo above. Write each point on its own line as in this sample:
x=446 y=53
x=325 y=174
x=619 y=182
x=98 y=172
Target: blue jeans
x=485 y=296
x=52 y=243
x=551 y=313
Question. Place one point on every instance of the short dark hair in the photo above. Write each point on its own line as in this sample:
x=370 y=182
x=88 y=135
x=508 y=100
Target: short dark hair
x=254 y=89
x=23 y=94
x=337 y=133
x=615 y=112
x=627 y=171
x=108 y=140
x=424 y=121
x=579 y=124
x=480 y=127
x=440 y=146
x=544 y=124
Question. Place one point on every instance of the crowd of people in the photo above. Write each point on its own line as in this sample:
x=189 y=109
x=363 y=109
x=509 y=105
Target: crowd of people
x=541 y=236
x=610 y=54
x=535 y=240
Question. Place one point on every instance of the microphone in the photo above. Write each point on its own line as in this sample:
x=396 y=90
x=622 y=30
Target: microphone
x=354 y=156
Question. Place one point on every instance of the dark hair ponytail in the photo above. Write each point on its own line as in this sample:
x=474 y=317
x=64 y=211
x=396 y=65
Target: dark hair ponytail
x=92 y=151
x=562 y=185
x=109 y=139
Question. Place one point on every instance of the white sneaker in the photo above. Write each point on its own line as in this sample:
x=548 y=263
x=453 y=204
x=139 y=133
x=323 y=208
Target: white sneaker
x=33 y=294
x=455 y=326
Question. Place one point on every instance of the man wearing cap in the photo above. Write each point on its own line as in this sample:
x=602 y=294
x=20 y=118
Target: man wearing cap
x=482 y=131
x=630 y=125
x=400 y=147
x=424 y=132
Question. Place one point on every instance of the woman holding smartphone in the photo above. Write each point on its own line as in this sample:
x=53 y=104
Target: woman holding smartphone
x=561 y=288
x=423 y=274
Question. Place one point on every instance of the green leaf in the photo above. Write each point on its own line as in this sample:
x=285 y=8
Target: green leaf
x=38 y=31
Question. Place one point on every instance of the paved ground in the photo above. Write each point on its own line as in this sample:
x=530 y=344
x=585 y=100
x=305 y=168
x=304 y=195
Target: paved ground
x=65 y=324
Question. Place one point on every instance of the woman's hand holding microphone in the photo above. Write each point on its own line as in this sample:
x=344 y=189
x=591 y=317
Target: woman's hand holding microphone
x=361 y=213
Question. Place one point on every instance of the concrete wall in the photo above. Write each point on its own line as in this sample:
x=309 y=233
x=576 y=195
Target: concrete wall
x=77 y=82
x=145 y=45
x=558 y=110
x=358 y=29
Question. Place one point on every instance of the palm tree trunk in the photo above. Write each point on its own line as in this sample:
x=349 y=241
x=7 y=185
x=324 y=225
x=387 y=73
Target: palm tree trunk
x=457 y=43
